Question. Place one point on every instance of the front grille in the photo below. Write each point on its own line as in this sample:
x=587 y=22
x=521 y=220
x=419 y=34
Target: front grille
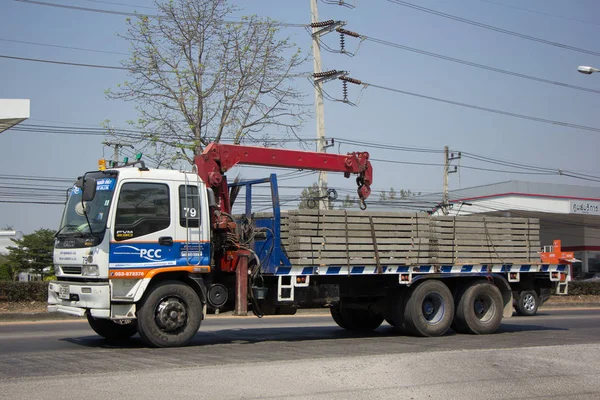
x=71 y=270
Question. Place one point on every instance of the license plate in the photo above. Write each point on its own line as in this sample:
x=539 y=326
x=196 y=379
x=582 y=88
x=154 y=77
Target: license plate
x=64 y=293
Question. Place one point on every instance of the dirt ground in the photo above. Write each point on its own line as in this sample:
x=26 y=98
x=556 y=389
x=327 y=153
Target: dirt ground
x=32 y=307
x=29 y=307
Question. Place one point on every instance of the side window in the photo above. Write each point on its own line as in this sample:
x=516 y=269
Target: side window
x=189 y=206
x=143 y=208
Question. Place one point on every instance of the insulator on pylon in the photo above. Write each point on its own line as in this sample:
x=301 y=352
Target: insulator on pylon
x=345 y=90
x=351 y=80
x=342 y=43
x=322 y=24
x=347 y=32
x=325 y=73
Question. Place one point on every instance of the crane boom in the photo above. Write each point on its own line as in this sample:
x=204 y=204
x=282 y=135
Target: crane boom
x=219 y=158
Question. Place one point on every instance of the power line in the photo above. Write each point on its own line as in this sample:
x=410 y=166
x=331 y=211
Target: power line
x=63 y=47
x=64 y=63
x=389 y=146
x=120 y=4
x=540 y=12
x=481 y=66
x=491 y=110
x=555 y=171
x=493 y=28
x=136 y=14
x=96 y=10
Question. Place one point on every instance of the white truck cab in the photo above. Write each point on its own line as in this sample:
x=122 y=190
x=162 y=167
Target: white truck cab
x=138 y=223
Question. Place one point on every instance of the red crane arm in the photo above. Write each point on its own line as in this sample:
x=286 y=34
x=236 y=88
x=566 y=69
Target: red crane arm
x=218 y=158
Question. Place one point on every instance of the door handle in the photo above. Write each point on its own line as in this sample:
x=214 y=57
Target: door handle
x=165 y=241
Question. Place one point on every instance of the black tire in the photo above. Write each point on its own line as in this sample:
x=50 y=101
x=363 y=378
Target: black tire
x=169 y=315
x=429 y=309
x=356 y=320
x=337 y=316
x=111 y=330
x=528 y=303
x=479 y=309
x=394 y=311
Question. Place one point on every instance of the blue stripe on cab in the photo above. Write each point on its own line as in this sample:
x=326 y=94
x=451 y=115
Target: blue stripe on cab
x=333 y=270
x=357 y=270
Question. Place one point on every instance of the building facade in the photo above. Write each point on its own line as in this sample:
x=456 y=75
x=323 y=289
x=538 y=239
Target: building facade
x=570 y=213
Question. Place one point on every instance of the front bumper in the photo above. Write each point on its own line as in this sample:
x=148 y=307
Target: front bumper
x=94 y=296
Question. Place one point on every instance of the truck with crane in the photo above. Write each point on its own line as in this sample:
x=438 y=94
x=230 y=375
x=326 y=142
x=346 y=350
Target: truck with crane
x=150 y=251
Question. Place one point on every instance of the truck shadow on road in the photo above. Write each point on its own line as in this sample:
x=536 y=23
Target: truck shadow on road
x=385 y=333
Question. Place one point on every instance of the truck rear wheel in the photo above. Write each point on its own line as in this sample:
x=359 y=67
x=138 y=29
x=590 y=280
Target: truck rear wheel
x=528 y=303
x=394 y=310
x=170 y=315
x=354 y=319
x=111 y=330
x=479 y=309
x=429 y=309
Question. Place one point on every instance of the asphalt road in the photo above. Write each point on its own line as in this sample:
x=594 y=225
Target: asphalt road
x=553 y=355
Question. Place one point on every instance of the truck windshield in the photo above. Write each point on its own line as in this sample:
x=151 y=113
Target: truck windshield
x=74 y=223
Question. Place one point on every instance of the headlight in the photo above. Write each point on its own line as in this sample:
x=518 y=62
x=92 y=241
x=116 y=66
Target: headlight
x=90 y=270
x=56 y=270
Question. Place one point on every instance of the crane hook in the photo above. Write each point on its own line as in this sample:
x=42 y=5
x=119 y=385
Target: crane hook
x=362 y=205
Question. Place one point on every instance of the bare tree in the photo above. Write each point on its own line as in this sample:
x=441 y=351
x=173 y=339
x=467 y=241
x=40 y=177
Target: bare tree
x=197 y=78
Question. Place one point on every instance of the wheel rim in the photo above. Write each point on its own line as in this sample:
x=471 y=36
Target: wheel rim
x=433 y=308
x=529 y=302
x=171 y=314
x=484 y=308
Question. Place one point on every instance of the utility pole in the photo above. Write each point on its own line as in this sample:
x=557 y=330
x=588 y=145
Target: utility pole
x=116 y=146
x=319 y=106
x=447 y=158
x=445 y=190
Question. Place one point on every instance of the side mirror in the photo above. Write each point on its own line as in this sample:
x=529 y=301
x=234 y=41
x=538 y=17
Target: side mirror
x=88 y=186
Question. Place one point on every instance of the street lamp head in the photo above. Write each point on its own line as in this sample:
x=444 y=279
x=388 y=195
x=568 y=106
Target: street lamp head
x=584 y=69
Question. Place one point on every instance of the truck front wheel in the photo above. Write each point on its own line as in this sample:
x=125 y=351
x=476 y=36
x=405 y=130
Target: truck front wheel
x=111 y=330
x=170 y=315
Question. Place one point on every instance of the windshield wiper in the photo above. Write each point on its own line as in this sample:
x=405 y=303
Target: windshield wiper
x=63 y=228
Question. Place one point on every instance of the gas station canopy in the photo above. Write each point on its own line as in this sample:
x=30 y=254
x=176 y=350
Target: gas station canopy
x=12 y=112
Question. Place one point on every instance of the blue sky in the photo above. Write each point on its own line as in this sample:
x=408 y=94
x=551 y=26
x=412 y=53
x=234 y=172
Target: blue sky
x=69 y=95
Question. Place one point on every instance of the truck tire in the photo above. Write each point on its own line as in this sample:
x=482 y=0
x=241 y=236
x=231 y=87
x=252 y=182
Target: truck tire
x=111 y=330
x=528 y=303
x=479 y=309
x=394 y=311
x=429 y=309
x=354 y=319
x=169 y=315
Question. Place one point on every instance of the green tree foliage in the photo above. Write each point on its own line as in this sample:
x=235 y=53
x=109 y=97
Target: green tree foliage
x=197 y=78
x=32 y=253
x=348 y=202
x=309 y=197
x=4 y=269
x=393 y=195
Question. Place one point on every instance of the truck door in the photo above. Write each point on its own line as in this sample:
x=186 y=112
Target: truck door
x=192 y=241
x=143 y=231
